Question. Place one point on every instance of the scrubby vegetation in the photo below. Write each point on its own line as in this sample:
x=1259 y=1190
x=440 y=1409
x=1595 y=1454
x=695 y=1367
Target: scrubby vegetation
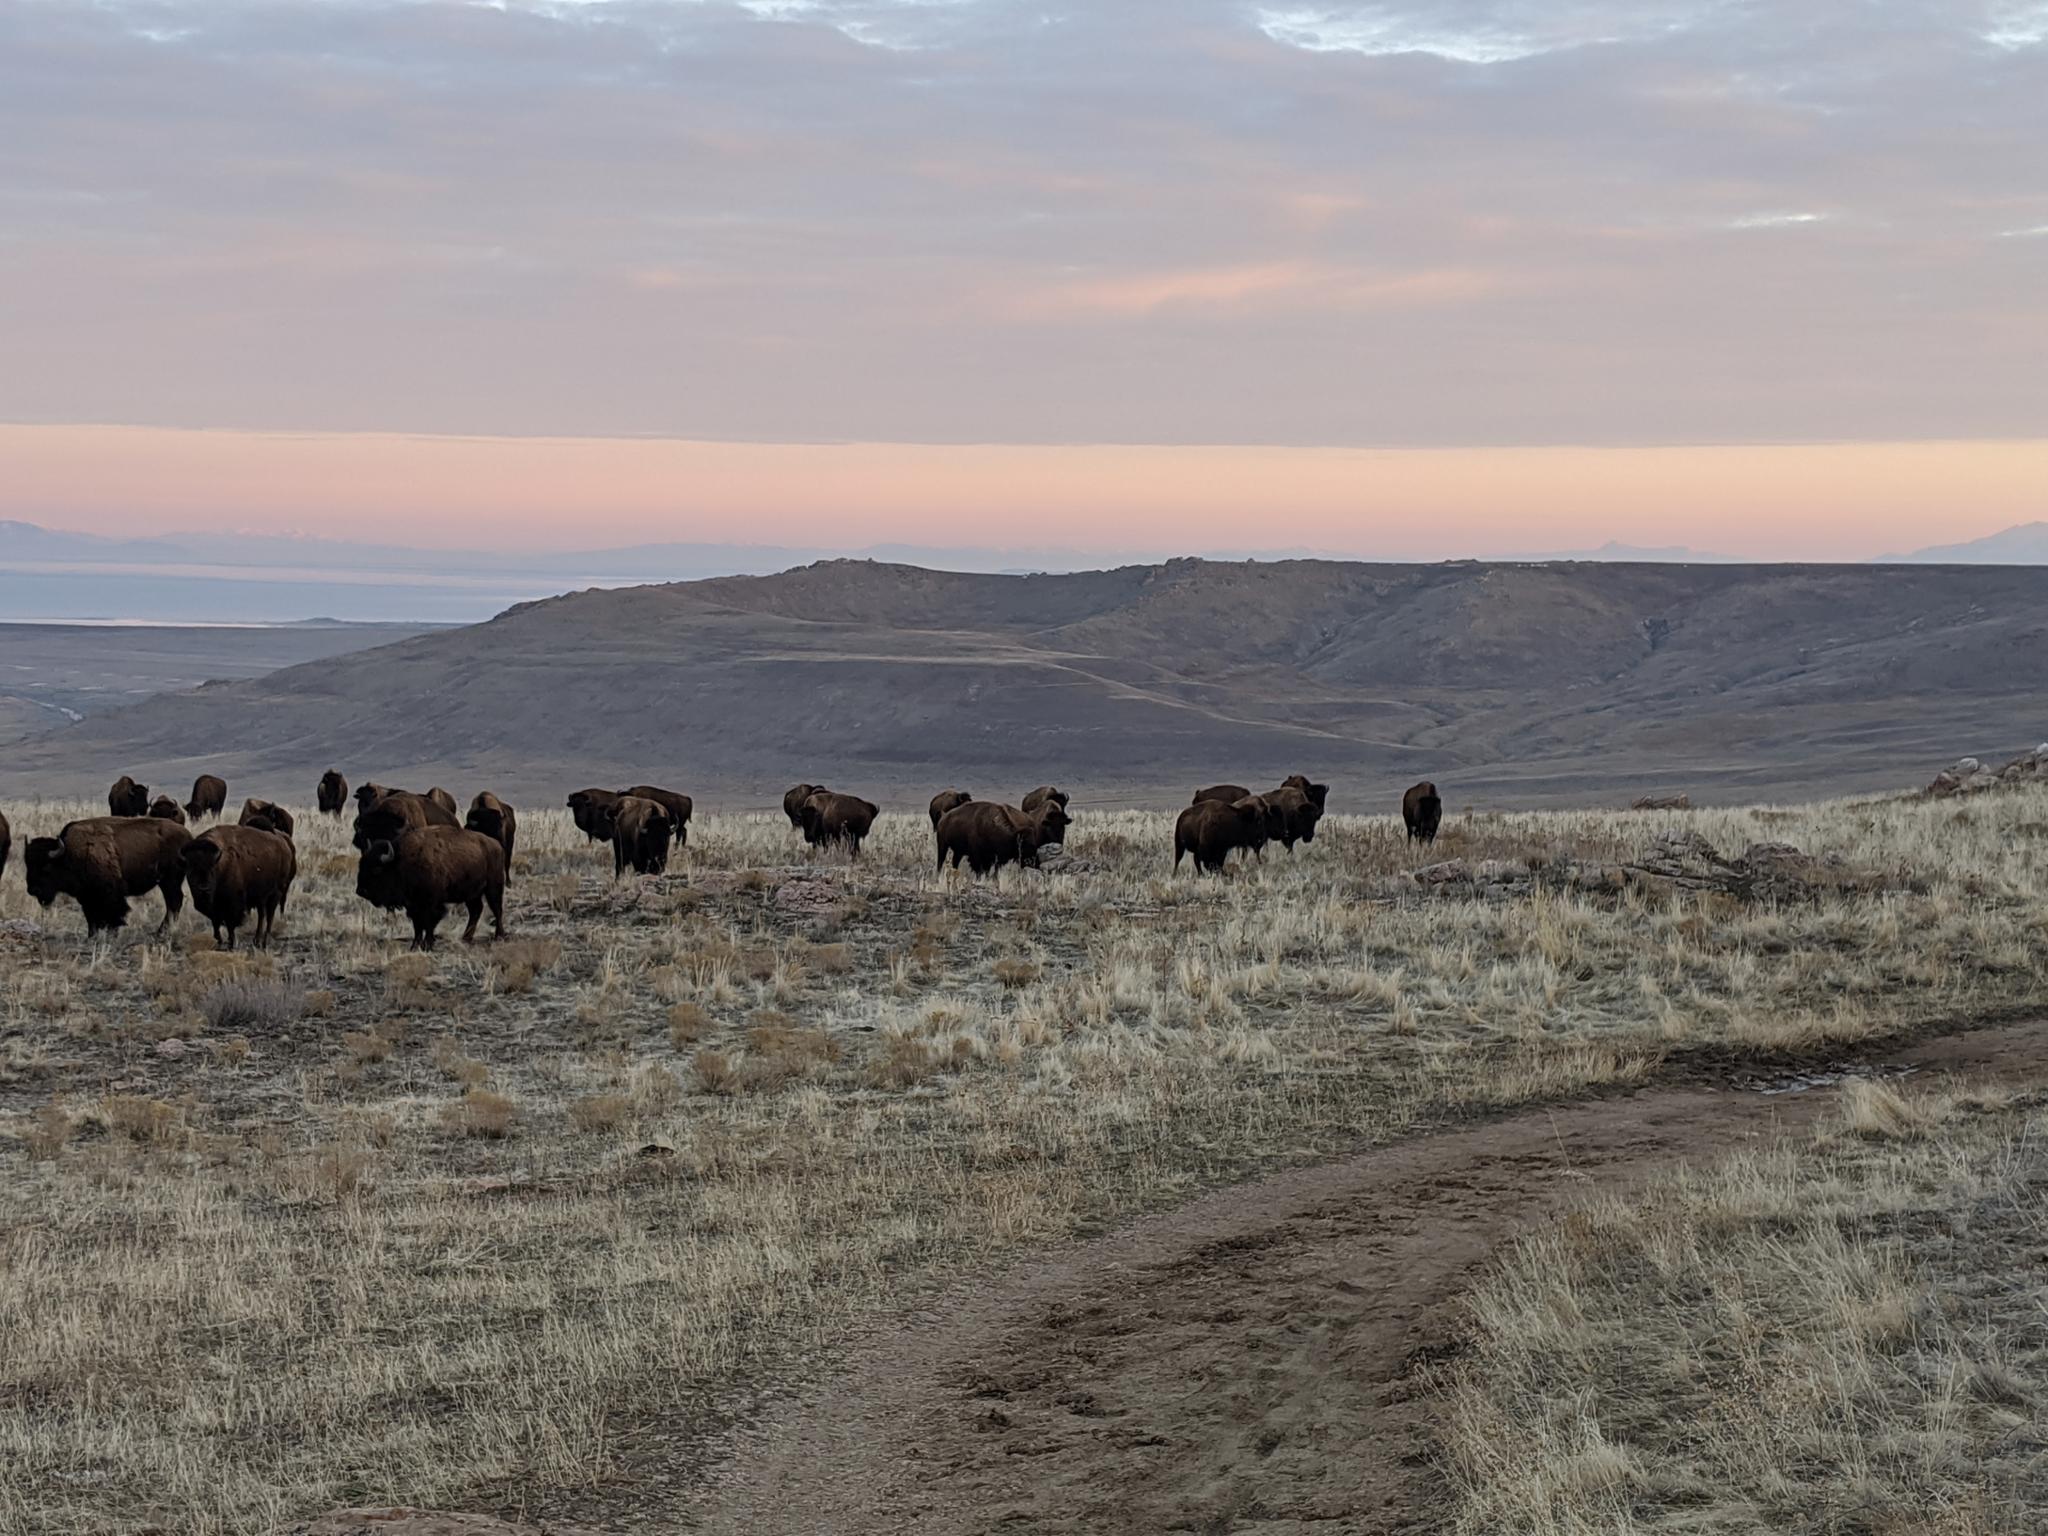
x=523 y=1224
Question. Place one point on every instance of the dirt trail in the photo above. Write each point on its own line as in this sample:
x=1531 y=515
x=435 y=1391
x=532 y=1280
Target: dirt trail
x=1247 y=1363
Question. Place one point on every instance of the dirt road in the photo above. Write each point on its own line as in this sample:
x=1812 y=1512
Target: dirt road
x=1248 y=1363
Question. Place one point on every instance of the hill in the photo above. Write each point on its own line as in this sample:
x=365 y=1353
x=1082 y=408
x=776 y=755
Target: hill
x=2026 y=544
x=1509 y=683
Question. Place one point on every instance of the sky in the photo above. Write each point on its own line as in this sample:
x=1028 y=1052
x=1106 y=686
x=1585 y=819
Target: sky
x=1405 y=279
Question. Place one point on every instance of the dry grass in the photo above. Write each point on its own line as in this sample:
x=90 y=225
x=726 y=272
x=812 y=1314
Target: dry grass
x=1846 y=1336
x=412 y=1244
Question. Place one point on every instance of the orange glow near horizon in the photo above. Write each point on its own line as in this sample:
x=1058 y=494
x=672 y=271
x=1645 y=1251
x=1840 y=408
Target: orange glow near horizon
x=1824 y=501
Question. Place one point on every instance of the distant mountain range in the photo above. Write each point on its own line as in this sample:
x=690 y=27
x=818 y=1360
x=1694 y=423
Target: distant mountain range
x=2025 y=545
x=48 y=573
x=1509 y=683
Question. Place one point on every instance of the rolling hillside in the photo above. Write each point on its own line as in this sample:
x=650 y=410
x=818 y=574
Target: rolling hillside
x=1508 y=683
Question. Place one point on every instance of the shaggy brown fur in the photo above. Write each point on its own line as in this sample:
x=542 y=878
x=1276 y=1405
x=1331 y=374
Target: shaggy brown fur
x=233 y=871
x=428 y=869
x=103 y=861
x=209 y=796
x=988 y=835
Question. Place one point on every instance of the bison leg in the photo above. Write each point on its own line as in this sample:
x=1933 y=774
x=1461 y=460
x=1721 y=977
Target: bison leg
x=497 y=901
x=476 y=913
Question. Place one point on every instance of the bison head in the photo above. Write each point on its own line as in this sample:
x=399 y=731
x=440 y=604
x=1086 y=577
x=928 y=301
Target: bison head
x=1053 y=822
x=164 y=808
x=201 y=858
x=377 y=875
x=487 y=820
x=43 y=861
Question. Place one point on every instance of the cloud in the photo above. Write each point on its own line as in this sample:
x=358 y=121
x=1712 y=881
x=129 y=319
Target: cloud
x=1492 y=32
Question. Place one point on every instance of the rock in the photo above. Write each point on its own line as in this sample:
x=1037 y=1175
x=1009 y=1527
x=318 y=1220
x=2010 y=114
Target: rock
x=398 y=1521
x=173 y=1047
x=1686 y=861
x=1969 y=775
x=1662 y=803
x=807 y=894
x=20 y=928
x=1475 y=872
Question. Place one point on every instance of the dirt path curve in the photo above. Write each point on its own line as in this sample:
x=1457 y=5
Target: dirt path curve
x=1244 y=1364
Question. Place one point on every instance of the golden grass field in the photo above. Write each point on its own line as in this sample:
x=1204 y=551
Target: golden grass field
x=526 y=1226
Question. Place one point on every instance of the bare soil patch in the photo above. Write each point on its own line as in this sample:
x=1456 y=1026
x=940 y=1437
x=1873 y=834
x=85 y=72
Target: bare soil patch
x=1252 y=1362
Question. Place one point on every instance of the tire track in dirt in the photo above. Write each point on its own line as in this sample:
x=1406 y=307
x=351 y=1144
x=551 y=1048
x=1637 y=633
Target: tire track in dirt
x=1249 y=1363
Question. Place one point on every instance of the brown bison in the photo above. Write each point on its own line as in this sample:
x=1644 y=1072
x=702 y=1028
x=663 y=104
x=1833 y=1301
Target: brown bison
x=988 y=835
x=1292 y=815
x=164 y=808
x=1320 y=793
x=428 y=869
x=641 y=832
x=1423 y=811
x=1045 y=794
x=677 y=806
x=793 y=801
x=1228 y=794
x=443 y=799
x=1266 y=825
x=830 y=817
x=397 y=812
x=101 y=862
x=127 y=798
x=948 y=800
x=331 y=794
x=368 y=794
x=6 y=843
x=233 y=871
x=593 y=810
x=1209 y=829
x=273 y=816
x=494 y=818
x=209 y=796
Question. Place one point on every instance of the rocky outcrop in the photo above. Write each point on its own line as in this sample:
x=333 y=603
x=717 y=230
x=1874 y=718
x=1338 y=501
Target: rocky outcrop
x=1662 y=803
x=1971 y=776
x=1676 y=862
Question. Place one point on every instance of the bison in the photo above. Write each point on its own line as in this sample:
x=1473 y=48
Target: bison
x=1293 y=814
x=1045 y=794
x=641 y=831
x=1320 y=793
x=948 y=800
x=273 y=816
x=396 y=812
x=1423 y=811
x=988 y=835
x=830 y=817
x=494 y=818
x=209 y=796
x=428 y=869
x=593 y=810
x=1227 y=794
x=331 y=794
x=233 y=871
x=677 y=806
x=1209 y=829
x=127 y=798
x=369 y=794
x=793 y=801
x=6 y=843
x=443 y=799
x=164 y=808
x=103 y=861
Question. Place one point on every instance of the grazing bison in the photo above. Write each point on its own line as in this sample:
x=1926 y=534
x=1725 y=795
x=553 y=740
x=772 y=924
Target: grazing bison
x=275 y=817
x=593 y=810
x=793 y=801
x=494 y=818
x=1045 y=794
x=443 y=799
x=1227 y=794
x=1209 y=829
x=988 y=835
x=641 y=830
x=101 y=862
x=427 y=870
x=1292 y=815
x=233 y=871
x=1423 y=812
x=127 y=798
x=164 y=808
x=332 y=793
x=6 y=843
x=1320 y=793
x=209 y=796
x=948 y=800
x=829 y=817
x=397 y=812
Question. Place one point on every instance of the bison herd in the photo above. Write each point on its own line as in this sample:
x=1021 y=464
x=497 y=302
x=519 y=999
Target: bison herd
x=415 y=856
